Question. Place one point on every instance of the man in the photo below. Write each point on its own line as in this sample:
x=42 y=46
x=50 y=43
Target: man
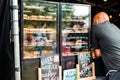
x=106 y=42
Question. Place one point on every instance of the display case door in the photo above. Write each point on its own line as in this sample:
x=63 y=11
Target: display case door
x=75 y=28
x=40 y=28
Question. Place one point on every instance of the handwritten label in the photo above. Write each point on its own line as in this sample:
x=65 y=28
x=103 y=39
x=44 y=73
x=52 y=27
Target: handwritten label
x=49 y=65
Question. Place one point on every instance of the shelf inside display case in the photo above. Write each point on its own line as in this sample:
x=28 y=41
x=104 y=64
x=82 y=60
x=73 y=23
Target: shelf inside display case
x=39 y=18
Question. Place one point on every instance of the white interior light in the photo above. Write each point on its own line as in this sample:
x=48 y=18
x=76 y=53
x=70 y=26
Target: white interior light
x=110 y=16
x=105 y=0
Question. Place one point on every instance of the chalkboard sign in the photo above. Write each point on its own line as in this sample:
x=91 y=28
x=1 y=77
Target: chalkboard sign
x=69 y=74
x=49 y=66
x=85 y=64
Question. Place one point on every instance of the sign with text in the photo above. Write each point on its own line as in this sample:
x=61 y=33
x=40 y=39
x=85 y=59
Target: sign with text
x=85 y=65
x=49 y=65
x=69 y=74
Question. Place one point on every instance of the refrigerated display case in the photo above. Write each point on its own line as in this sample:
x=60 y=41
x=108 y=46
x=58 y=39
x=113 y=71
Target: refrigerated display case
x=40 y=39
x=76 y=21
x=75 y=38
x=56 y=34
x=40 y=27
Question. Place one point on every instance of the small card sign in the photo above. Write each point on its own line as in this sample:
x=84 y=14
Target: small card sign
x=49 y=66
x=85 y=64
x=69 y=74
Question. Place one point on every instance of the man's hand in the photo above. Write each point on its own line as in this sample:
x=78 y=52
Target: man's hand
x=97 y=52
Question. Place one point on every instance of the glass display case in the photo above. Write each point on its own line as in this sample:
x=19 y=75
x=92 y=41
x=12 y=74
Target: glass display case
x=75 y=35
x=40 y=27
x=75 y=28
x=59 y=35
x=40 y=40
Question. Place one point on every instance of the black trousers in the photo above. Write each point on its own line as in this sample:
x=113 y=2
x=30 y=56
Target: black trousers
x=113 y=75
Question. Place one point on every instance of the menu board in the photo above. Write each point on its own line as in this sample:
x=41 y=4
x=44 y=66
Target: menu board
x=69 y=74
x=49 y=66
x=75 y=28
x=40 y=25
x=85 y=64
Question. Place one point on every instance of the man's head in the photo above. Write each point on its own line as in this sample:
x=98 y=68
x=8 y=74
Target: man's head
x=100 y=18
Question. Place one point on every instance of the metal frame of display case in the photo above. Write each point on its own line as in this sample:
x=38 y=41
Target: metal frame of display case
x=15 y=37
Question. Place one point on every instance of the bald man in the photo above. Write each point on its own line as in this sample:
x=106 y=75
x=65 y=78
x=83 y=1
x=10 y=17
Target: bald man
x=106 y=41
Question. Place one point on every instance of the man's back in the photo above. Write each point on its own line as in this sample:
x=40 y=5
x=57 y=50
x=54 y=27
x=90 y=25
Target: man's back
x=107 y=37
